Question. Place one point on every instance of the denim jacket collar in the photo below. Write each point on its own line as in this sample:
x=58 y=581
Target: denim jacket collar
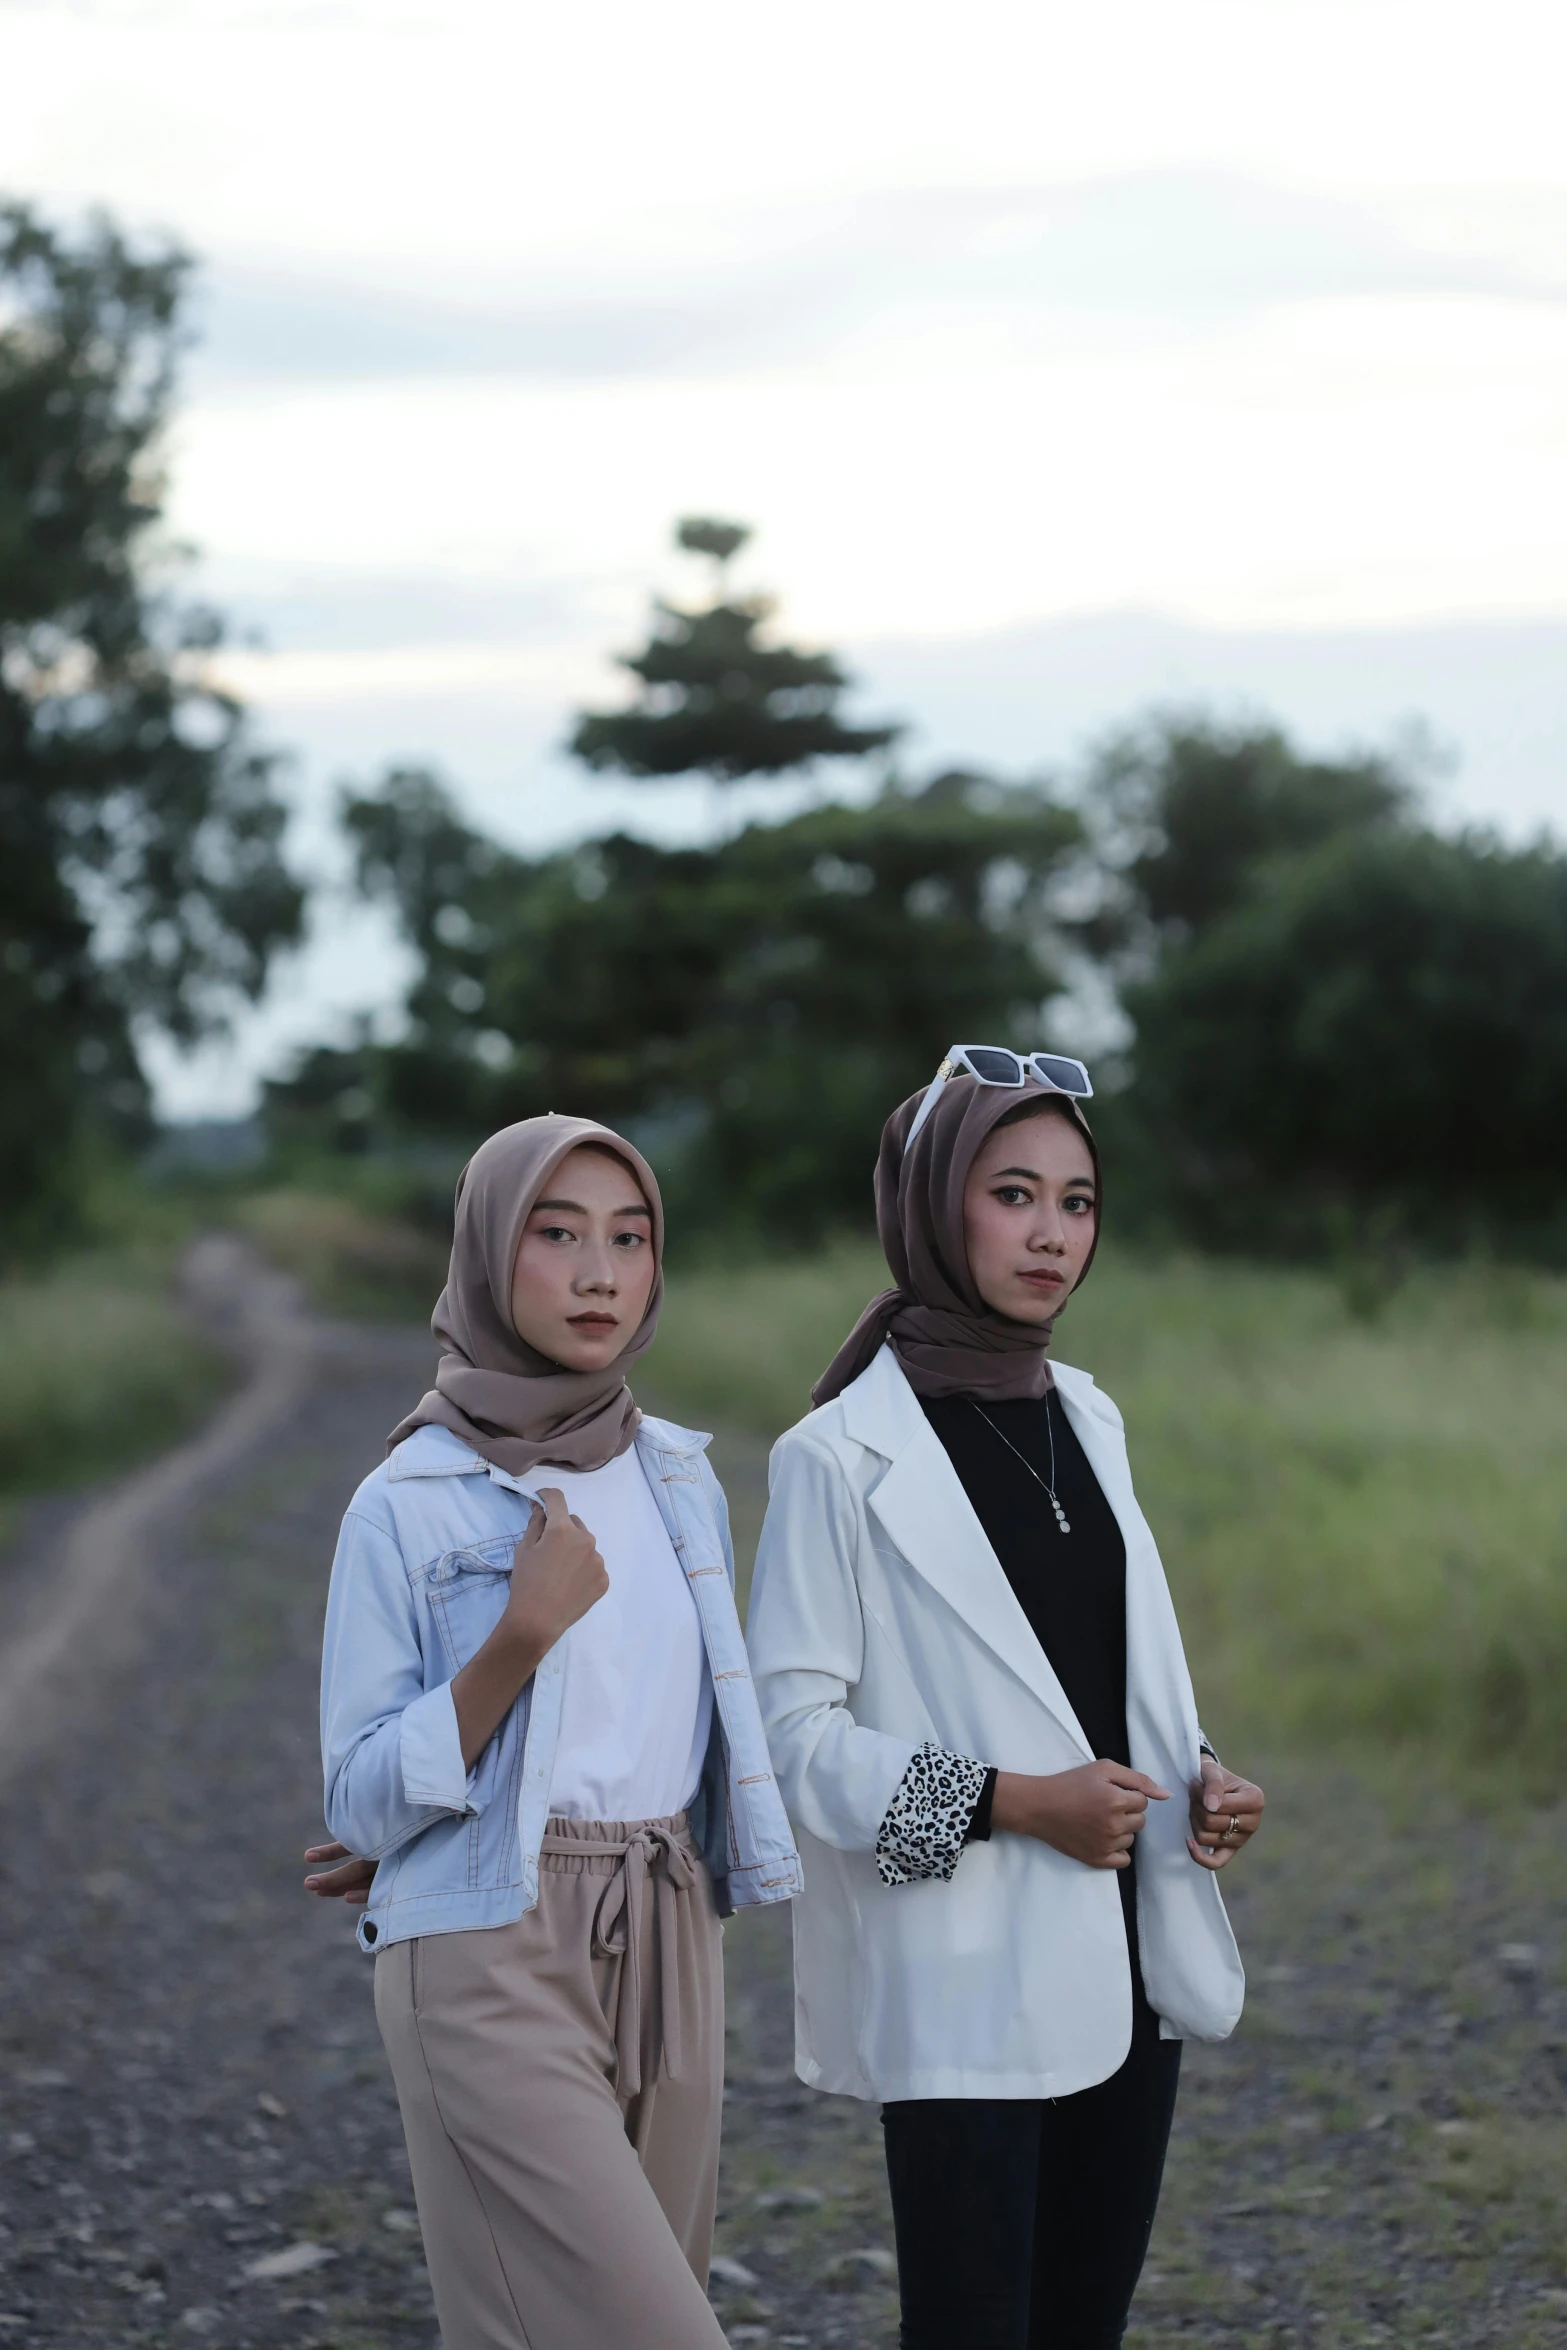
x=434 y=1451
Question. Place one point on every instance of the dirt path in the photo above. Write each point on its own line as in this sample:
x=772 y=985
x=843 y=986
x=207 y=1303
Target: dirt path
x=193 y=2084
x=63 y=1628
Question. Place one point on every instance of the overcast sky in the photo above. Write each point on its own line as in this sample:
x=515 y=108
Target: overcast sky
x=1067 y=360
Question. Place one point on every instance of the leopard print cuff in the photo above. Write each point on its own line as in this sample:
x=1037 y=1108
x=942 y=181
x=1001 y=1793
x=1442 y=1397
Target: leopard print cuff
x=927 y=1820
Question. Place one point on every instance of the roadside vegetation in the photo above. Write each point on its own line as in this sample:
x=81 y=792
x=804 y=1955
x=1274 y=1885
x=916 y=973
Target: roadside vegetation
x=1359 y=1497
x=1354 y=1479
x=102 y=1366
x=352 y=1256
x=99 y=1365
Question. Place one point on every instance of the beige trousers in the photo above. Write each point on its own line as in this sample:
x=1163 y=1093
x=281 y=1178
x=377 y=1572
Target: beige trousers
x=561 y=2085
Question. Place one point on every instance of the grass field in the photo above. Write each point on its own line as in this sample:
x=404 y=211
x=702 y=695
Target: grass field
x=1364 y=1520
x=352 y=1259
x=98 y=1365
x=1360 y=1496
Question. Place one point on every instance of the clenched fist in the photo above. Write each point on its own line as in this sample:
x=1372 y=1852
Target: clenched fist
x=1093 y=1814
x=556 y=1575
x=1226 y=1812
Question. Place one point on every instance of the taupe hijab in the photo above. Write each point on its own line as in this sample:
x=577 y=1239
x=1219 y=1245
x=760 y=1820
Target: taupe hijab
x=948 y=1341
x=492 y=1389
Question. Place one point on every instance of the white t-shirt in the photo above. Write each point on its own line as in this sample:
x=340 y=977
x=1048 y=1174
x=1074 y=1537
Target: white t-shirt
x=637 y=1706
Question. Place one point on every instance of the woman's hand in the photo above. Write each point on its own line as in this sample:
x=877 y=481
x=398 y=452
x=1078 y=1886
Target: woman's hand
x=349 y=1882
x=1093 y=1814
x=1226 y=1813
x=556 y=1576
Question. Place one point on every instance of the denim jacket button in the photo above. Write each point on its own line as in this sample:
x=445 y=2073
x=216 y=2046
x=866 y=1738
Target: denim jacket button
x=370 y=1931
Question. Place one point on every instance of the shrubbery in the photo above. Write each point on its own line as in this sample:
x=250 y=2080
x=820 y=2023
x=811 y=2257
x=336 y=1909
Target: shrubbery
x=1348 y=1032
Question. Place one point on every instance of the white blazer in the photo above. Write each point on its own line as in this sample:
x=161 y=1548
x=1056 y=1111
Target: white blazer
x=881 y=1617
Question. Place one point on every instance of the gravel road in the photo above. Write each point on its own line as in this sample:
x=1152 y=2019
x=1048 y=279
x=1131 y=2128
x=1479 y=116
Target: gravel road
x=198 y=2137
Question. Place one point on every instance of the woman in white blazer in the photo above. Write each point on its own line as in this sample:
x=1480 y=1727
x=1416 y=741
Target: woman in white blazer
x=979 y=1711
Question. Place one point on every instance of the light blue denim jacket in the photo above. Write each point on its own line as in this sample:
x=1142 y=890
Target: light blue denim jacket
x=419 y=1582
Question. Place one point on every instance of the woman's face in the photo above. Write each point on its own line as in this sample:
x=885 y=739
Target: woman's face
x=584 y=1269
x=1029 y=1211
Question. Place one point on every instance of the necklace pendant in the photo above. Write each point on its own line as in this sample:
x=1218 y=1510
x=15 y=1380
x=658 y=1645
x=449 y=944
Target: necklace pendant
x=1048 y=1484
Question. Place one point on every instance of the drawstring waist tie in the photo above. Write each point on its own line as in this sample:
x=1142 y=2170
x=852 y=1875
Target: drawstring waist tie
x=656 y=1851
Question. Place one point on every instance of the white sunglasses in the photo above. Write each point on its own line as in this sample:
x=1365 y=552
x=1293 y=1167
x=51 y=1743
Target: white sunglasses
x=993 y=1064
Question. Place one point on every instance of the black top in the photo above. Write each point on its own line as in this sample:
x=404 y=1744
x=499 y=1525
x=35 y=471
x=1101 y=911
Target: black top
x=1071 y=1587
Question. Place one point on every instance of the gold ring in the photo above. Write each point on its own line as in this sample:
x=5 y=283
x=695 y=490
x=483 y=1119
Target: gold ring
x=1233 y=1829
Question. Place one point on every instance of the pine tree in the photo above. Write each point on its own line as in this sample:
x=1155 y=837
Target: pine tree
x=717 y=697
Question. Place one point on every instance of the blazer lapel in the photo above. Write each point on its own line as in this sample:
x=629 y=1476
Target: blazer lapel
x=1155 y=1665
x=1105 y=1447
x=922 y=1505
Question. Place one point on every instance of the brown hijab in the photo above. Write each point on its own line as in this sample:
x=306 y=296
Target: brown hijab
x=947 y=1340
x=492 y=1389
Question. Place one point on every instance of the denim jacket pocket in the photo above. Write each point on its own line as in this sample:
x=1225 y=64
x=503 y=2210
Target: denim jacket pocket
x=467 y=1591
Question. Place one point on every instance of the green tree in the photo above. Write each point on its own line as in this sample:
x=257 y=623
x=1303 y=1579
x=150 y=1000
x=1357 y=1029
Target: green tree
x=717 y=696
x=1188 y=812
x=753 y=1007
x=454 y=893
x=1373 y=1039
x=141 y=877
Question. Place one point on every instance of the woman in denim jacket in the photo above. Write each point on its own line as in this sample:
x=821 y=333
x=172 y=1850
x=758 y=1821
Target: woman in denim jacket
x=538 y=1722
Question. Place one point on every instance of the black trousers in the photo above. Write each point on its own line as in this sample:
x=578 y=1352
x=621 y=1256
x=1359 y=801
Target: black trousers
x=1022 y=2224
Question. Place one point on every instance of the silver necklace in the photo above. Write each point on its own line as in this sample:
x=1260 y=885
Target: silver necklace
x=1050 y=1487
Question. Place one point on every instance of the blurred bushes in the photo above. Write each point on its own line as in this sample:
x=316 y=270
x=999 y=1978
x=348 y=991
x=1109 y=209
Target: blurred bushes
x=748 y=1010
x=1341 y=1036
x=98 y=1364
x=1370 y=1047
x=1348 y=1033
x=1362 y=1521
x=354 y=1256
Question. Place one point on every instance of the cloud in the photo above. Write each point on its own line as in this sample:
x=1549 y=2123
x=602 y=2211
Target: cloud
x=1170 y=249
x=257 y=324
x=1488 y=692
x=327 y=609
